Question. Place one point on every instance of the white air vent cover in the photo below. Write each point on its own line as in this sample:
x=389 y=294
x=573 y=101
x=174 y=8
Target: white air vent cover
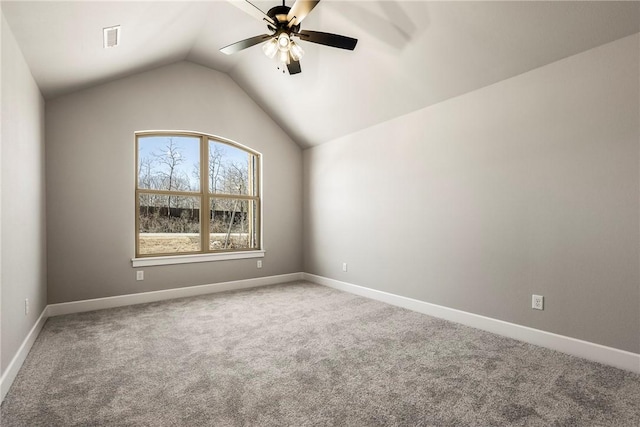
x=111 y=36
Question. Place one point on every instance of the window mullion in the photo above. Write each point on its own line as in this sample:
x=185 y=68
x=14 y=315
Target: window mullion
x=137 y=214
x=251 y=190
x=204 y=193
x=233 y=196
x=168 y=192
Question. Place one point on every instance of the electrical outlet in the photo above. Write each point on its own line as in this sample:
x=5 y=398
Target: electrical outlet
x=259 y=263
x=26 y=306
x=140 y=275
x=344 y=266
x=537 y=302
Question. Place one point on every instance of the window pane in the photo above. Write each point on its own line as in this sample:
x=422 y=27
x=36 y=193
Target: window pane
x=229 y=169
x=169 y=163
x=168 y=224
x=232 y=224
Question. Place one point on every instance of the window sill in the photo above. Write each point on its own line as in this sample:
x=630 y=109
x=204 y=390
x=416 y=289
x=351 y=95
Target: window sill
x=187 y=259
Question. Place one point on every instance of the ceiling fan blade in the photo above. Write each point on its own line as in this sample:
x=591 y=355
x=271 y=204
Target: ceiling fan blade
x=294 y=67
x=243 y=44
x=253 y=10
x=328 y=39
x=300 y=10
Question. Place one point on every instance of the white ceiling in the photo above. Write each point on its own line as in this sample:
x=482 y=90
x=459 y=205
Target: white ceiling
x=410 y=54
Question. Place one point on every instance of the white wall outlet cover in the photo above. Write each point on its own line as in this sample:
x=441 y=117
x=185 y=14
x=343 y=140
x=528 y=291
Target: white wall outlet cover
x=259 y=263
x=537 y=302
x=140 y=275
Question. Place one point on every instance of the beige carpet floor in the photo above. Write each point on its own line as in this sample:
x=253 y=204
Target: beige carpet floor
x=302 y=355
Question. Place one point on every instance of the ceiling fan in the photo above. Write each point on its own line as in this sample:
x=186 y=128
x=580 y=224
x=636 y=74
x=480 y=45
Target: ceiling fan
x=284 y=23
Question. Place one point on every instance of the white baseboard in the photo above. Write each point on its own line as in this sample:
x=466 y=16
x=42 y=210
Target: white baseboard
x=12 y=370
x=153 y=296
x=599 y=353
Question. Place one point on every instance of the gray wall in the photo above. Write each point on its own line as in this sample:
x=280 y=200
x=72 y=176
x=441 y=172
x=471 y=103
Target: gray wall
x=530 y=185
x=22 y=206
x=90 y=180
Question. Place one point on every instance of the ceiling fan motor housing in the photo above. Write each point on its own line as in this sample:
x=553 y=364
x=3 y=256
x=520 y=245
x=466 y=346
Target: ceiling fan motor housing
x=279 y=15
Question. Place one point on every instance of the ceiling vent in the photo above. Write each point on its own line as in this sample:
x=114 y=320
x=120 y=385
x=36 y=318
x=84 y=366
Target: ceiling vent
x=111 y=36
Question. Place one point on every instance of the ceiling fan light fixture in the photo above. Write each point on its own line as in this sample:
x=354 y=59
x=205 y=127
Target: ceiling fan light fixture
x=296 y=51
x=283 y=56
x=283 y=41
x=270 y=47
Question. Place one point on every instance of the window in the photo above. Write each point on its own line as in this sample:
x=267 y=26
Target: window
x=195 y=194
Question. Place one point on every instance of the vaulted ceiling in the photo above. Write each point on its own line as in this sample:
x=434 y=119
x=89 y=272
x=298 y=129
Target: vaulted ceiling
x=410 y=54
